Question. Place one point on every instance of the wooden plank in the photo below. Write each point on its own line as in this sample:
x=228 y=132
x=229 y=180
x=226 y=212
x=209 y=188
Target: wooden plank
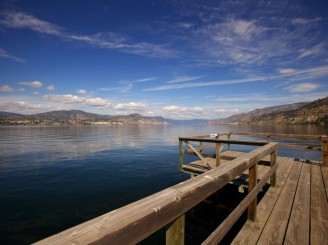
x=134 y=222
x=197 y=153
x=214 y=140
x=297 y=136
x=298 y=230
x=251 y=231
x=306 y=147
x=319 y=208
x=324 y=169
x=275 y=228
x=175 y=231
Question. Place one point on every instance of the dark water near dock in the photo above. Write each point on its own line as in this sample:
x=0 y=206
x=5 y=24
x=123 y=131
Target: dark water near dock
x=52 y=178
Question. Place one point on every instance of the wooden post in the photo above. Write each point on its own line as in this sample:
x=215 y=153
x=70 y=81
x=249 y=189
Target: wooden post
x=273 y=161
x=252 y=179
x=324 y=150
x=175 y=231
x=268 y=138
x=180 y=154
x=217 y=154
x=229 y=139
x=201 y=145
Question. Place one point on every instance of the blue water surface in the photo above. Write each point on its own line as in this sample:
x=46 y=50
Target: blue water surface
x=53 y=178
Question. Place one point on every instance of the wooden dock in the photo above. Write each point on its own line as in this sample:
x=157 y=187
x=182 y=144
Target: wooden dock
x=294 y=209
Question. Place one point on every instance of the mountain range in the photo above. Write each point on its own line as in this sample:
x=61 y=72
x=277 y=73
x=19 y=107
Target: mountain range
x=315 y=112
x=76 y=117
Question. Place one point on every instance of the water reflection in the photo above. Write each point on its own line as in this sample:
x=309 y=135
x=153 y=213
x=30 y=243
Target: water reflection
x=53 y=143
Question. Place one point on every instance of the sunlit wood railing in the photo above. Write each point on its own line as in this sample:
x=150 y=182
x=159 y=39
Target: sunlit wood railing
x=322 y=144
x=134 y=222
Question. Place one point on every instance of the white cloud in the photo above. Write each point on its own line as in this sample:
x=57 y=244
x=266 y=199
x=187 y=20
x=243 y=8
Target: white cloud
x=35 y=93
x=6 y=55
x=313 y=72
x=51 y=87
x=313 y=51
x=184 y=79
x=178 y=112
x=23 y=107
x=287 y=71
x=81 y=91
x=106 y=40
x=303 y=87
x=121 y=89
x=147 y=79
x=6 y=88
x=34 y=84
x=23 y=20
x=227 y=111
x=82 y=101
x=130 y=106
x=302 y=21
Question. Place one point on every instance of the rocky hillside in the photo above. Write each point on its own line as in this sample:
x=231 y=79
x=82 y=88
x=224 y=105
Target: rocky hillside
x=248 y=117
x=76 y=117
x=315 y=112
x=312 y=113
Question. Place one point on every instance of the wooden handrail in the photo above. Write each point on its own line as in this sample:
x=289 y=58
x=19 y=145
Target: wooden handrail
x=233 y=142
x=296 y=136
x=134 y=222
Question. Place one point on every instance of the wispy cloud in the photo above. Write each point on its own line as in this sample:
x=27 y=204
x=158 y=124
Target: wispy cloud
x=23 y=20
x=6 y=88
x=225 y=36
x=81 y=91
x=34 y=84
x=147 y=79
x=121 y=89
x=184 y=79
x=78 y=100
x=51 y=88
x=303 y=87
x=6 y=55
x=303 y=21
x=106 y=40
x=287 y=71
x=316 y=71
x=313 y=51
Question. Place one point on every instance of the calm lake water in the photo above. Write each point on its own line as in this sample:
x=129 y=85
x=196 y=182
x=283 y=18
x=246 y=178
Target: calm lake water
x=52 y=178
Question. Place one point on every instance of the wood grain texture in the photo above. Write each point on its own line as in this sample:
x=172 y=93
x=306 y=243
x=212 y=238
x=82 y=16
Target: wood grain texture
x=251 y=231
x=299 y=223
x=319 y=208
x=274 y=230
x=175 y=231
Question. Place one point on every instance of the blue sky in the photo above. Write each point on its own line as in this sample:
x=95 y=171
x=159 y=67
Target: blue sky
x=177 y=59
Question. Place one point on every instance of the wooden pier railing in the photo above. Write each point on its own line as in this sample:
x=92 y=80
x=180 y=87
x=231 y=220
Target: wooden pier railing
x=322 y=140
x=134 y=222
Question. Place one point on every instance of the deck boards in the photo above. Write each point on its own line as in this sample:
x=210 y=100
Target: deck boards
x=299 y=223
x=319 y=208
x=295 y=211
